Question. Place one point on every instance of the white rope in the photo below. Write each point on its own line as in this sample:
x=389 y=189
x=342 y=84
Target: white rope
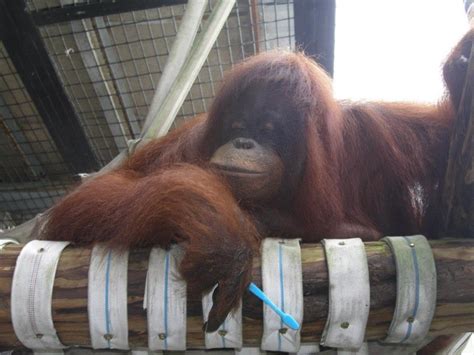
x=31 y=294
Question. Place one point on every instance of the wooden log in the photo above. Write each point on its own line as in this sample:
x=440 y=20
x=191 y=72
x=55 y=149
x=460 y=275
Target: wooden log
x=454 y=311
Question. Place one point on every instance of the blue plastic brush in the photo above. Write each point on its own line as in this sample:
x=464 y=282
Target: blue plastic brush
x=286 y=318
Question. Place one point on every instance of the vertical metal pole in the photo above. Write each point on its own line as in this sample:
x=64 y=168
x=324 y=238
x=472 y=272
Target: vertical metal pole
x=315 y=30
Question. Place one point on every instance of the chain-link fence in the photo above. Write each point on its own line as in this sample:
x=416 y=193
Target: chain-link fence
x=108 y=66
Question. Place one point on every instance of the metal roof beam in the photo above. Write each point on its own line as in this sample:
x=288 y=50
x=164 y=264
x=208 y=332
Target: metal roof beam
x=25 y=47
x=78 y=12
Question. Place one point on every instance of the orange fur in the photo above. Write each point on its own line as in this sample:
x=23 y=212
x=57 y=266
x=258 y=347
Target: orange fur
x=369 y=168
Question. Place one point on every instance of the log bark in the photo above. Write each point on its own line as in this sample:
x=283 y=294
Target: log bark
x=454 y=311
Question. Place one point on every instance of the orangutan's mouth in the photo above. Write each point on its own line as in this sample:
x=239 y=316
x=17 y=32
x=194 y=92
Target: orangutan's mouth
x=233 y=170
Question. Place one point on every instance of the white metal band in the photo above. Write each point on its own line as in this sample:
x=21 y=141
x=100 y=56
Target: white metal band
x=307 y=349
x=282 y=279
x=376 y=347
x=363 y=350
x=349 y=293
x=31 y=294
x=4 y=242
x=165 y=300
x=229 y=334
x=416 y=289
x=249 y=351
x=107 y=298
x=49 y=352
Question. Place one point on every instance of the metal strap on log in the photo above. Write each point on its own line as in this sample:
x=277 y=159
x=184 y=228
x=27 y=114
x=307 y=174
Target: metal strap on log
x=283 y=283
x=229 y=334
x=107 y=299
x=31 y=294
x=416 y=290
x=349 y=293
x=165 y=301
x=454 y=311
x=4 y=242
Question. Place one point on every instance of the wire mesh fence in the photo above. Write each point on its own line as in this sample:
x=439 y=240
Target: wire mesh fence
x=109 y=67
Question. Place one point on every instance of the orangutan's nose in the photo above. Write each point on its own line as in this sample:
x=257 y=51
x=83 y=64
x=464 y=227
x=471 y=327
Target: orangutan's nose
x=243 y=143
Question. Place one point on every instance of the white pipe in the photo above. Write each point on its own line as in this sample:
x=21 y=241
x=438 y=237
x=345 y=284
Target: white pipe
x=176 y=58
x=164 y=117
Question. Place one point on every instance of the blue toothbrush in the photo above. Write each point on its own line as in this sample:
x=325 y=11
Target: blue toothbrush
x=286 y=318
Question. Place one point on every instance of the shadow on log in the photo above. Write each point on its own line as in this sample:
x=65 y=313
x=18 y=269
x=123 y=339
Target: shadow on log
x=454 y=311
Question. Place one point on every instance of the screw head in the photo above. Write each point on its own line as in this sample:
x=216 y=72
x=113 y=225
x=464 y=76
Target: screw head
x=108 y=336
x=40 y=250
x=342 y=243
x=282 y=330
x=410 y=319
x=39 y=335
x=412 y=245
x=345 y=325
x=162 y=336
x=222 y=332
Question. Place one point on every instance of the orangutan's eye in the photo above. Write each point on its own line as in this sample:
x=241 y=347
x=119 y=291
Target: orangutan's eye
x=238 y=125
